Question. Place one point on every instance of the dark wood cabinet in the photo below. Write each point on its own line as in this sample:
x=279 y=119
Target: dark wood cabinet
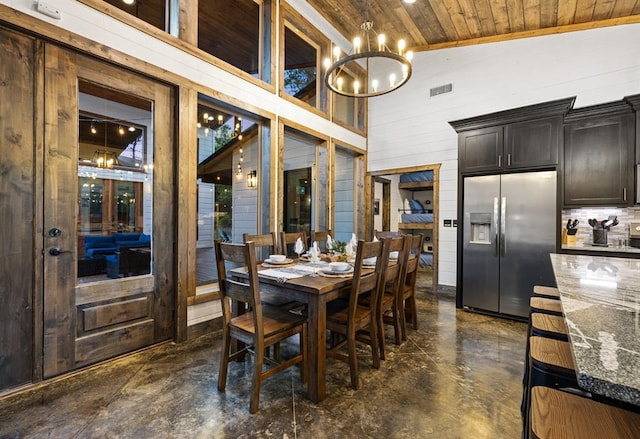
x=599 y=156
x=481 y=150
x=533 y=143
x=523 y=138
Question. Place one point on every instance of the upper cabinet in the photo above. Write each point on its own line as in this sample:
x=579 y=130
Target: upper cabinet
x=599 y=156
x=524 y=138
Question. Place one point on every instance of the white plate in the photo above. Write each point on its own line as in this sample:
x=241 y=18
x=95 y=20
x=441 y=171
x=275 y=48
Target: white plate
x=369 y=262
x=336 y=273
x=285 y=262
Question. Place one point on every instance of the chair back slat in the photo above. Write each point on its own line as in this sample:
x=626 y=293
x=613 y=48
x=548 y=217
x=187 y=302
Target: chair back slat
x=266 y=244
x=288 y=241
x=321 y=238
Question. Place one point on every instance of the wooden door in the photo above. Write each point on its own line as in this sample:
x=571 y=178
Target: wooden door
x=17 y=184
x=93 y=308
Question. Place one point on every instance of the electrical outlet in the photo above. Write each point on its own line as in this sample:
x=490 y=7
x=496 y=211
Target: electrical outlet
x=447 y=223
x=455 y=223
x=48 y=10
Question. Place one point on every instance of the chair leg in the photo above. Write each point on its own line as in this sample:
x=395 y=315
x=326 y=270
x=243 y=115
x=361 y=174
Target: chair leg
x=379 y=332
x=254 y=402
x=397 y=332
x=375 y=347
x=224 y=360
x=353 y=360
x=403 y=321
x=304 y=350
x=414 y=310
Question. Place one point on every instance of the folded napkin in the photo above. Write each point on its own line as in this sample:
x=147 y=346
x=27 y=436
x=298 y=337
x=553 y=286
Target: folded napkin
x=299 y=247
x=329 y=243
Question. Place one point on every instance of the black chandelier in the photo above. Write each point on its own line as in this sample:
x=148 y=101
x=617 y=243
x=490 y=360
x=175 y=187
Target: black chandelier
x=385 y=71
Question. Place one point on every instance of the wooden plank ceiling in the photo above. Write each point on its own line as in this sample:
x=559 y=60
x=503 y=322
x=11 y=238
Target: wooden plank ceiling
x=435 y=24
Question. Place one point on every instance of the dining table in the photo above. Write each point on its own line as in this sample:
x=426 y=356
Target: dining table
x=600 y=299
x=304 y=282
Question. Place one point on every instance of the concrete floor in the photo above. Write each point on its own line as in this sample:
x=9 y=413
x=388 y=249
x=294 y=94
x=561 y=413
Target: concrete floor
x=458 y=376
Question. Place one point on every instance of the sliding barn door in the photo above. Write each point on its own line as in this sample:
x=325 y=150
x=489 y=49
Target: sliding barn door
x=108 y=217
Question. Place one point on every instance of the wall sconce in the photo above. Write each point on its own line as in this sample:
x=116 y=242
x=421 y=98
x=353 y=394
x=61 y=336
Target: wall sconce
x=252 y=179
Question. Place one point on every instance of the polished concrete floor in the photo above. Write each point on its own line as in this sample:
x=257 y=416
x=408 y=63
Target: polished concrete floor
x=458 y=376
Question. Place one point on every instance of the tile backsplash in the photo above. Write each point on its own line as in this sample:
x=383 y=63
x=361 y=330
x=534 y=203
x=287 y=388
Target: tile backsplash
x=616 y=235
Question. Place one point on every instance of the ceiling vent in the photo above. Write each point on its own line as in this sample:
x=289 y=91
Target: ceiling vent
x=441 y=89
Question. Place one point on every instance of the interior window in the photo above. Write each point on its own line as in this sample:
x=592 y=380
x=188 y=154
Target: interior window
x=153 y=12
x=300 y=70
x=231 y=31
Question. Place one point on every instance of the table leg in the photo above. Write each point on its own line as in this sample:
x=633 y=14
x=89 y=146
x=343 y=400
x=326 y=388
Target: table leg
x=317 y=347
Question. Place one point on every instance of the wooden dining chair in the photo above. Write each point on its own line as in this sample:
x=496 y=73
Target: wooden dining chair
x=390 y=300
x=408 y=299
x=267 y=241
x=352 y=317
x=258 y=328
x=320 y=237
x=288 y=241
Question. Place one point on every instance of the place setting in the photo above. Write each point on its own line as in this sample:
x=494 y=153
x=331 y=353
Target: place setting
x=277 y=261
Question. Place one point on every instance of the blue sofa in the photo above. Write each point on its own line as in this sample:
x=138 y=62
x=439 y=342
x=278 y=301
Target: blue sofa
x=109 y=245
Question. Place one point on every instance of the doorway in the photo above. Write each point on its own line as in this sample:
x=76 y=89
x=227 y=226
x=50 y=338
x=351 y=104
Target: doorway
x=107 y=215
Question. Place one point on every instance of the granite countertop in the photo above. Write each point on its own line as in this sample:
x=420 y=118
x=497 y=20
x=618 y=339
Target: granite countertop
x=601 y=303
x=597 y=248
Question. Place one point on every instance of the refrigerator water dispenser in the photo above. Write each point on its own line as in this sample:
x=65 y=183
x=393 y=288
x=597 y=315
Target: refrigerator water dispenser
x=480 y=228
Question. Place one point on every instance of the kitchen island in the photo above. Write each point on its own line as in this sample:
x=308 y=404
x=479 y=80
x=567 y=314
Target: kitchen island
x=601 y=304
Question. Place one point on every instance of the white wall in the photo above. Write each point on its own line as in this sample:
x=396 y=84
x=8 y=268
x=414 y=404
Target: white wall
x=408 y=128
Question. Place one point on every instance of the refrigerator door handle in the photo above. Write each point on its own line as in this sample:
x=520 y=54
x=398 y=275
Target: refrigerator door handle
x=495 y=226
x=503 y=226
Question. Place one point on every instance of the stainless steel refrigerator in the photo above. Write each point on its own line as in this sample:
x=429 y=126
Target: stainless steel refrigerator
x=509 y=229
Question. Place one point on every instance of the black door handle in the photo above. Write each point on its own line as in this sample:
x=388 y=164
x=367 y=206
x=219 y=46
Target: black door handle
x=55 y=251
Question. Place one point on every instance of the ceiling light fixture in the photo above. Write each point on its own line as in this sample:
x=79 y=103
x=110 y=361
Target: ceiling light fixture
x=386 y=71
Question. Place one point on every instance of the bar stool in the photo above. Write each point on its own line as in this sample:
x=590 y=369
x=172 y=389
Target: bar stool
x=546 y=306
x=556 y=414
x=548 y=325
x=546 y=292
x=550 y=364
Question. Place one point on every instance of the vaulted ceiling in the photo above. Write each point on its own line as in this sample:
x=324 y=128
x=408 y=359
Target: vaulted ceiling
x=433 y=24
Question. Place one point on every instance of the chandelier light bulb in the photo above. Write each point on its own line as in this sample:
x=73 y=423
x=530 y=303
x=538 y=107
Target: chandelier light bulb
x=132 y=129
x=356 y=87
x=121 y=130
x=405 y=71
x=93 y=129
x=336 y=52
x=326 y=63
x=205 y=116
x=356 y=44
x=339 y=81
x=381 y=41
x=374 y=85
x=409 y=55
x=401 y=46
x=392 y=79
x=199 y=125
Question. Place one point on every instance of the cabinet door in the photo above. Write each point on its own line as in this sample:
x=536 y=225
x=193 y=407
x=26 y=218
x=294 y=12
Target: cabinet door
x=598 y=161
x=533 y=143
x=481 y=150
